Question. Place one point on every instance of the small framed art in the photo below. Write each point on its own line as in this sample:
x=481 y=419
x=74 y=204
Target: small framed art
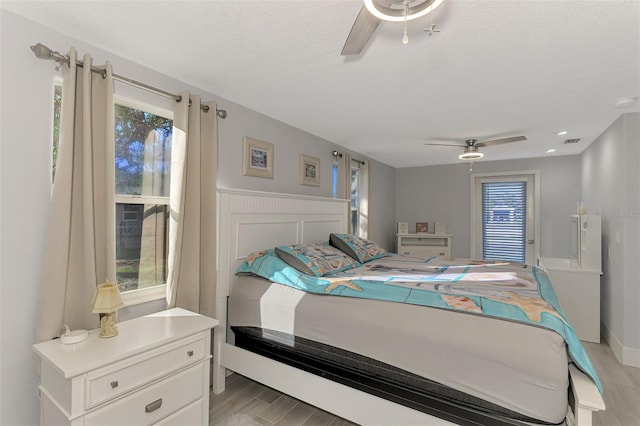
x=422 y=227
x=257 y=158
x=309 y=170
x=440 y=228
x=403 y=227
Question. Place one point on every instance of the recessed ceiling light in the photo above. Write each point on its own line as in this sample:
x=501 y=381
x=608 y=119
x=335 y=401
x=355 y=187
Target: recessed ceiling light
x=549 y=151
x=564 y=132
x=625 y=102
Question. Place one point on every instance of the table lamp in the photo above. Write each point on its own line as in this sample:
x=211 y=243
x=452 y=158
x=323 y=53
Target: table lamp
x=106 y=302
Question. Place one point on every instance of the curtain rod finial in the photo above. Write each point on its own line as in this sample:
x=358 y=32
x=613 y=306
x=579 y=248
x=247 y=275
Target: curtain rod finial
x=41 y=51
x=336 y=154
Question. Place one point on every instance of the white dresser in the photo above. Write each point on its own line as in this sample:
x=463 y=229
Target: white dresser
x=424 y=245
x=156 y=371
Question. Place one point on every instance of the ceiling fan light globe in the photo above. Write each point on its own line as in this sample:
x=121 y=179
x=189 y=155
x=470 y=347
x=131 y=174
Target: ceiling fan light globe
x=397 y=15
x=471 y=155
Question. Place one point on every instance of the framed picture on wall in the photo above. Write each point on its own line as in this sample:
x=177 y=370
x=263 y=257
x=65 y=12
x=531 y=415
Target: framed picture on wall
x=422 y=227
x=309 y=170
x=257 y=158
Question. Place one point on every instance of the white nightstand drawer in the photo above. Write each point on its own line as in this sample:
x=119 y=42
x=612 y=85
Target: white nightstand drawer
x=426 y=252
x=188 y=416
x=108 y=383
x=155 y=402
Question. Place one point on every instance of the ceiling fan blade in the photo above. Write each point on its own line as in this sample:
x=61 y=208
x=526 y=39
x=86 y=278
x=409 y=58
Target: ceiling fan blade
x=501 y=141
x=457 y=145
x=361 y=31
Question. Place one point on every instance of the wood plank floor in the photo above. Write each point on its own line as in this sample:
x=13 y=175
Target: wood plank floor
x=621 y=388
x=256 y=404
x=265 y=406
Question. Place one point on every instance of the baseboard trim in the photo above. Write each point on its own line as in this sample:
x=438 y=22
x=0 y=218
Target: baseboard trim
x=625 y=355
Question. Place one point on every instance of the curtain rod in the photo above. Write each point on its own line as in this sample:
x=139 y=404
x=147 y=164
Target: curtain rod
x=337 y=155
x=43 y=52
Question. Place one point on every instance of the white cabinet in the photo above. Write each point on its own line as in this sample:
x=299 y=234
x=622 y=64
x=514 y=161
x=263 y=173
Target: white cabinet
x=156 y=371
x=576 y=279
x=424 y=245
x=578 y=291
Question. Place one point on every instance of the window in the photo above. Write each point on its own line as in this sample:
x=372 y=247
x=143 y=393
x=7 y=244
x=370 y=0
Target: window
x=143 y=168
x=142 y=182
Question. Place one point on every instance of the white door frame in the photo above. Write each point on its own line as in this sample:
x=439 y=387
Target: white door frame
x=536 y=207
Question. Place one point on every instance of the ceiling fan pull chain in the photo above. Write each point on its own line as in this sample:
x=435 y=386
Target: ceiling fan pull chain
x=405 y=38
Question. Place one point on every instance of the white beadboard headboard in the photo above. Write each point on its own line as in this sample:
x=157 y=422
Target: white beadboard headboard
x=250 y=221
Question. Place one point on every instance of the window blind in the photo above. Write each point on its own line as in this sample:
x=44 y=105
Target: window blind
x=504 y=207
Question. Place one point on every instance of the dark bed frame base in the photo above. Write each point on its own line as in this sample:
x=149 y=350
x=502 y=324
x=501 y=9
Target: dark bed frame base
x=435 y=405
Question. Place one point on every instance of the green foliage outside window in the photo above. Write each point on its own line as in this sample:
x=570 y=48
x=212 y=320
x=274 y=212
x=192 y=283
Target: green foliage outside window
x=57 y=103
x=132 y=128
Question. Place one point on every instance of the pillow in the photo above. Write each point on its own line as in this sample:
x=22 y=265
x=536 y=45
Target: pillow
x=360 y=249
x=262 y=263
x=317 y=259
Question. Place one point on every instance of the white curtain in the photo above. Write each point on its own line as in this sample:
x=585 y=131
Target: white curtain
x=80 y=244
x=343 y=187
x=363 y=193
x=153 y=246
x=192 y=225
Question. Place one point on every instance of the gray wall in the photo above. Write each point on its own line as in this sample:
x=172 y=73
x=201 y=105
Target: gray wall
x=26 y=84
x=442 y=194
x=611 y=187
x=382 y=202
x=289 y=144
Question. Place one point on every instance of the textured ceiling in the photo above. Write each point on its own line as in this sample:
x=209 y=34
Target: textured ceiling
x=496 y=69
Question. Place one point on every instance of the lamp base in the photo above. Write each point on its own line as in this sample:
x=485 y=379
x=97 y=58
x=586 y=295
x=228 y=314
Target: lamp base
x=109 y=325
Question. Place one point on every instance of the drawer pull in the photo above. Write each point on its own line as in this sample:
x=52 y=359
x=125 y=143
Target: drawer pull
x=114 y=384
x=190 y=353
x=153 y=406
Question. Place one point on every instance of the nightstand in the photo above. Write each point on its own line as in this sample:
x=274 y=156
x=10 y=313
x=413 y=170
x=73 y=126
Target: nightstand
x=156 y=371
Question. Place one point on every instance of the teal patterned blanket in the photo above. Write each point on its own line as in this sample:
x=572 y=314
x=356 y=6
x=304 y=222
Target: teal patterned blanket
x=510 y=291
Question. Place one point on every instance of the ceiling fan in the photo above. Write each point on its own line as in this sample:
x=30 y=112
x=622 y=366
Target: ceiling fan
x=374 y=11
x=471 y=146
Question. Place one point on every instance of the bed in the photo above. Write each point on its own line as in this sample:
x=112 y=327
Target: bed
x=282 y=350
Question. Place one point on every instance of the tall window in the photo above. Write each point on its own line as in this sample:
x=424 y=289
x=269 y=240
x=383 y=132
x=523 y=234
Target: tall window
x=143 y=168
x=142 y=181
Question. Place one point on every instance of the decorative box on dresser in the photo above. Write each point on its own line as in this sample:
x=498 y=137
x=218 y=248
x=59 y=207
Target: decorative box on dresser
x=156 y=371
x=424 y=245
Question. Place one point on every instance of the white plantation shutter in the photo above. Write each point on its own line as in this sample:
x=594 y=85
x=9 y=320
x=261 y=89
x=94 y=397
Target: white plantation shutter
x=504 y=227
